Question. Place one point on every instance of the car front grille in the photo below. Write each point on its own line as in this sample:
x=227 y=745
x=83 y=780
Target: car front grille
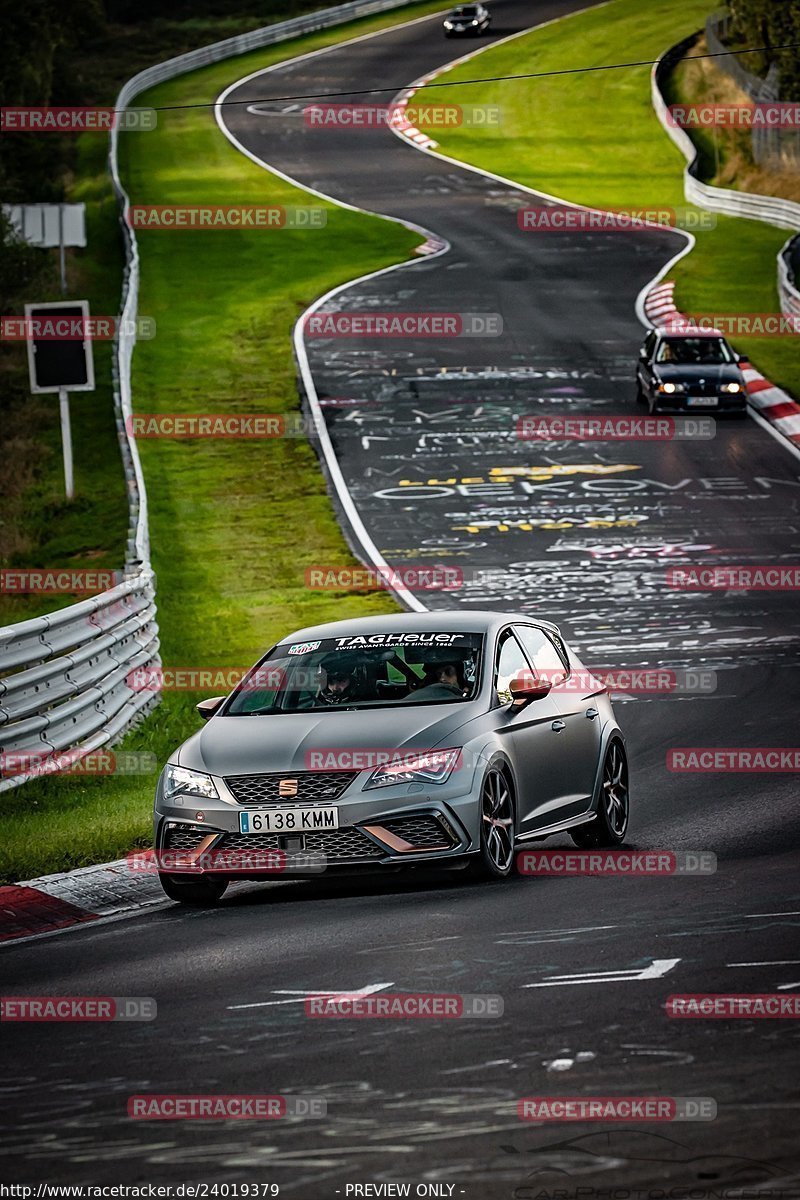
x=703 y=387
x=338 y=845
x=299 y=787
x=421 y=832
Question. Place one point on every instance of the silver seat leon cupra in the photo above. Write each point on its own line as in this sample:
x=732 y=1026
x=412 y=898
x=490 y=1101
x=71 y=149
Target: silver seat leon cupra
x=416 y=738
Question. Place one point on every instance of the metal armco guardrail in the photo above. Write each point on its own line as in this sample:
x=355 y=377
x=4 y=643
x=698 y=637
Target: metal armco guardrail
x=64 y=676
x=64 y=685
x=773 y=210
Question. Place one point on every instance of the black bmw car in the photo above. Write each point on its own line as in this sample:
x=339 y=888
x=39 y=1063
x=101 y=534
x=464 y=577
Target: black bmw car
x=683 y=371
x=466 y=19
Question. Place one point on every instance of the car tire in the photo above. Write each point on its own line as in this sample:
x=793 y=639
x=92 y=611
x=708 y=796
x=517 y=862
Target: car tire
x=613 y=807
x=200 y=893
x=497 y=813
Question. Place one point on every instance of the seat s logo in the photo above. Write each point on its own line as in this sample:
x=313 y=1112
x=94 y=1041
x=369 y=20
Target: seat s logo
x=287 y=787
x=303 y=647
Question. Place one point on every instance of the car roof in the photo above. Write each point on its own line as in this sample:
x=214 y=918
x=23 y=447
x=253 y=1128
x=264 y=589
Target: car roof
x=456 y=620
x=677 y=335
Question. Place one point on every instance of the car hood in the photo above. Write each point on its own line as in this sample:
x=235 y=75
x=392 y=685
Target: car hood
x=689 y=372
x=256 y=745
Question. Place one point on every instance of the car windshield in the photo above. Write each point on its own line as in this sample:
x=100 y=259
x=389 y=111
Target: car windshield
x=699 y=350
x=362 y=671
x=468 y=10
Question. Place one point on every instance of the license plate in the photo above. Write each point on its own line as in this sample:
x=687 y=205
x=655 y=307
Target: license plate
x=703 y=401
x=288 y=820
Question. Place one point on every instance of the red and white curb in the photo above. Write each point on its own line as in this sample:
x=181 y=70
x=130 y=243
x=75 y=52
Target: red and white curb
x=54 y=902
x=769 y=401
x=400 y=123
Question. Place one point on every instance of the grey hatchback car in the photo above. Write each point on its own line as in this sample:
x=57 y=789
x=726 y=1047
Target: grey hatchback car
x=419 y=738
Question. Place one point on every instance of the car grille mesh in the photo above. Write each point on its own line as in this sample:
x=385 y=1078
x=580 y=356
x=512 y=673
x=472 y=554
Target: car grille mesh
x=185 y=837
x=422 y=832
x=338 y=845
x=312 y=787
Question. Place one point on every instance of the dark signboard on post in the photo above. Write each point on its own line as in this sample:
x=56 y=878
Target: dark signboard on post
x=59 y=347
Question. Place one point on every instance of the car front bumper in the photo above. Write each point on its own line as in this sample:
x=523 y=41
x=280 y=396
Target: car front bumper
x=393 y=826
x=688 y=405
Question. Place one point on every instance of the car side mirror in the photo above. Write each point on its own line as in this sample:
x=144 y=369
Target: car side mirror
x=526 y=687
x=207 y=708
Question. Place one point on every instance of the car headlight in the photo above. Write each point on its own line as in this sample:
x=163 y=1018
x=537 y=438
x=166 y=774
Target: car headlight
x=192 y=783
x=669 y=388
x=448 y=24
x=732 y=387
x=434 y=767
x=475 y=22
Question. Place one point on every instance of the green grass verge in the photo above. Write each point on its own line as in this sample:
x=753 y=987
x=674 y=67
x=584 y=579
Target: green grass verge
x=233 y=524
x=593 y=138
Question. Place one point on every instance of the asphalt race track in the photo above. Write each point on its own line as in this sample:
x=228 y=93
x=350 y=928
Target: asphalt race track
x=433 y=1101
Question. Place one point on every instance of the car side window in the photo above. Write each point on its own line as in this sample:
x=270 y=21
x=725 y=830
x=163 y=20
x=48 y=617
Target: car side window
x=545 y=659
x=510 y=660
x=649 y=343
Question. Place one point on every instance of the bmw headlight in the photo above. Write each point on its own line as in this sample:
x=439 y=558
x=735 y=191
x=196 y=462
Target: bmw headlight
x=669 y=388
x=732 y=387
x=475 y=22
x=190 y=783
x=448 y=24
x=434 y=767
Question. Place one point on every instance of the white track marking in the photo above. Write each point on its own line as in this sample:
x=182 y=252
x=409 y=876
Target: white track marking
x=300 y=995
x=657 y=969
x=781 y=962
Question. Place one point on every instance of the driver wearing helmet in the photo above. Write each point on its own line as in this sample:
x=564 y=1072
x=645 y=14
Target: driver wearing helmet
x=443 y=680
x=340 y=685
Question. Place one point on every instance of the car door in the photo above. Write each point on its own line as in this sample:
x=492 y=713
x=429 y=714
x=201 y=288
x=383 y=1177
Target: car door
x=533 y=740
x=579 y=711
